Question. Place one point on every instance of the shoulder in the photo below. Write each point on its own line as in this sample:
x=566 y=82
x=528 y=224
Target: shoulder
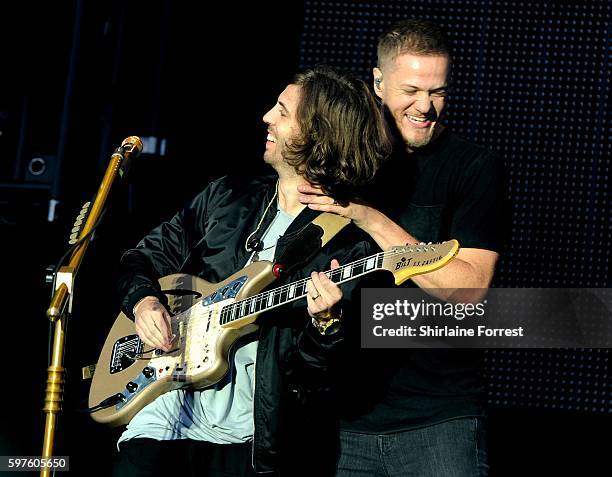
x=465 y=152
x=466 y=160
x=231 y=188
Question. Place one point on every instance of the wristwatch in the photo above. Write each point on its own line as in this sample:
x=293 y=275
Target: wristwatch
x=328 y=326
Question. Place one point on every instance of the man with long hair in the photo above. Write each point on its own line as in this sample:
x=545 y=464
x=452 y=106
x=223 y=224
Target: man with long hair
x=324 y=130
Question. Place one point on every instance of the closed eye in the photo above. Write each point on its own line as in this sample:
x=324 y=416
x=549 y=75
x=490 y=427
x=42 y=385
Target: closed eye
x=440 y=93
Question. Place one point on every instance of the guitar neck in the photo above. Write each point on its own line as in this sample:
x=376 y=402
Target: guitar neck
x=294 y=291
x=404 y=262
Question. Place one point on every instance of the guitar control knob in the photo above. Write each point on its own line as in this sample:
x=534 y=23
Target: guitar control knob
x=131 y=386
x=148 y=372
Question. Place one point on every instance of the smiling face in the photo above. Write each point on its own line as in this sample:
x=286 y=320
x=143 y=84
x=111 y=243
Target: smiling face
x=282 y=124
x=413 y=88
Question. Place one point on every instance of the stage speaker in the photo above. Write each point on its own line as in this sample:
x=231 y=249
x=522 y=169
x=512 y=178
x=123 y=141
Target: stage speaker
x=40 y=169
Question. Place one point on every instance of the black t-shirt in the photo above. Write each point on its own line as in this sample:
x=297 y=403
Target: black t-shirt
x=449 y=189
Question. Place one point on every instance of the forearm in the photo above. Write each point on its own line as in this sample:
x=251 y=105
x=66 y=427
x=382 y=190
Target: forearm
x=463 y=279
x=383 y=230
x=456 y=282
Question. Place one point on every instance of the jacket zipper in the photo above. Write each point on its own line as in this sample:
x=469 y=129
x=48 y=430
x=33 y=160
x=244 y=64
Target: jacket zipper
x=253 y=403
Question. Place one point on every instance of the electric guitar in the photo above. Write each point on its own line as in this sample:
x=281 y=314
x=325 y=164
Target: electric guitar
x=208 y=319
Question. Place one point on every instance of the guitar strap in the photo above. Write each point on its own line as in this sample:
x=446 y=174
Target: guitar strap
x=302 y=248
x=310 y=240
x=331 y=225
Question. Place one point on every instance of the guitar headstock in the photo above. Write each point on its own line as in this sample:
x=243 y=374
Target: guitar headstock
x=410 y=260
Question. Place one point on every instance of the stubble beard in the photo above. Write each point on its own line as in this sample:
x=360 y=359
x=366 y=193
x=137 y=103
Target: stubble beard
x=415 y=143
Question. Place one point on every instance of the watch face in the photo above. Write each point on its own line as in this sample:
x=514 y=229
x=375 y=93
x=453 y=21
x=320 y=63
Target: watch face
x=331 y=327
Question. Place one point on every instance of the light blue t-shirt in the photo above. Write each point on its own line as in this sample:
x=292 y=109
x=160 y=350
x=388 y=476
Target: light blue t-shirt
x=222 y=414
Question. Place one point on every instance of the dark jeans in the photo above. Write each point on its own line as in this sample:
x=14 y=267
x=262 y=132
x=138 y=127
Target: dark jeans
x=150 y=458
x=450 y=449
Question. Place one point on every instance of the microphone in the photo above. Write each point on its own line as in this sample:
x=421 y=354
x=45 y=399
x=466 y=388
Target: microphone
x=254 y=245
x=130 y=147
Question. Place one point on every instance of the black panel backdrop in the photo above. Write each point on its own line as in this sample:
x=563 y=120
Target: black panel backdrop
x=531 y=81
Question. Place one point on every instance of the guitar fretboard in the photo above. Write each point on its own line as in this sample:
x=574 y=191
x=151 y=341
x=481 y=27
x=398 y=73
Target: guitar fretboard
x=296 y=290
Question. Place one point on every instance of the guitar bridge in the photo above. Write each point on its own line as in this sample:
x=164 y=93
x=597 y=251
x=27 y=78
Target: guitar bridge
x=125 y=352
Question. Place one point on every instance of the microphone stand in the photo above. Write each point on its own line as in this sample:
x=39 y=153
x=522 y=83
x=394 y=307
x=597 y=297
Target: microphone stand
x=58 y=313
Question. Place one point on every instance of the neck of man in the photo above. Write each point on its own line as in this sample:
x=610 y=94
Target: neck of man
x=288 y=195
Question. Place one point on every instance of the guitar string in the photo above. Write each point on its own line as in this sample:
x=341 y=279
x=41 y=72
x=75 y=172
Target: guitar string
x=196 y=320
x=202 y=315
x=264 y=296
x=340 y=270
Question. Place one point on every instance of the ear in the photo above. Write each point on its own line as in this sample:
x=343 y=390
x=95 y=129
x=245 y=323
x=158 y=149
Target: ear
x=378 y=81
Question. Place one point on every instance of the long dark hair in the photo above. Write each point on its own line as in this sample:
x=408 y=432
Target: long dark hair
x=343 y=139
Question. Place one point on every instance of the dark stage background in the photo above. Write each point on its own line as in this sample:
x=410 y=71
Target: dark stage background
x=531 y=80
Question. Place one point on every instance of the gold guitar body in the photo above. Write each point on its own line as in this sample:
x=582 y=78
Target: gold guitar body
x=199 y=357
x=129 y=375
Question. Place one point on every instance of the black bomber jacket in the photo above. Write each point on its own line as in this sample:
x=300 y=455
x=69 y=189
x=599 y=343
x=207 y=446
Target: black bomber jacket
x=207 y=239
